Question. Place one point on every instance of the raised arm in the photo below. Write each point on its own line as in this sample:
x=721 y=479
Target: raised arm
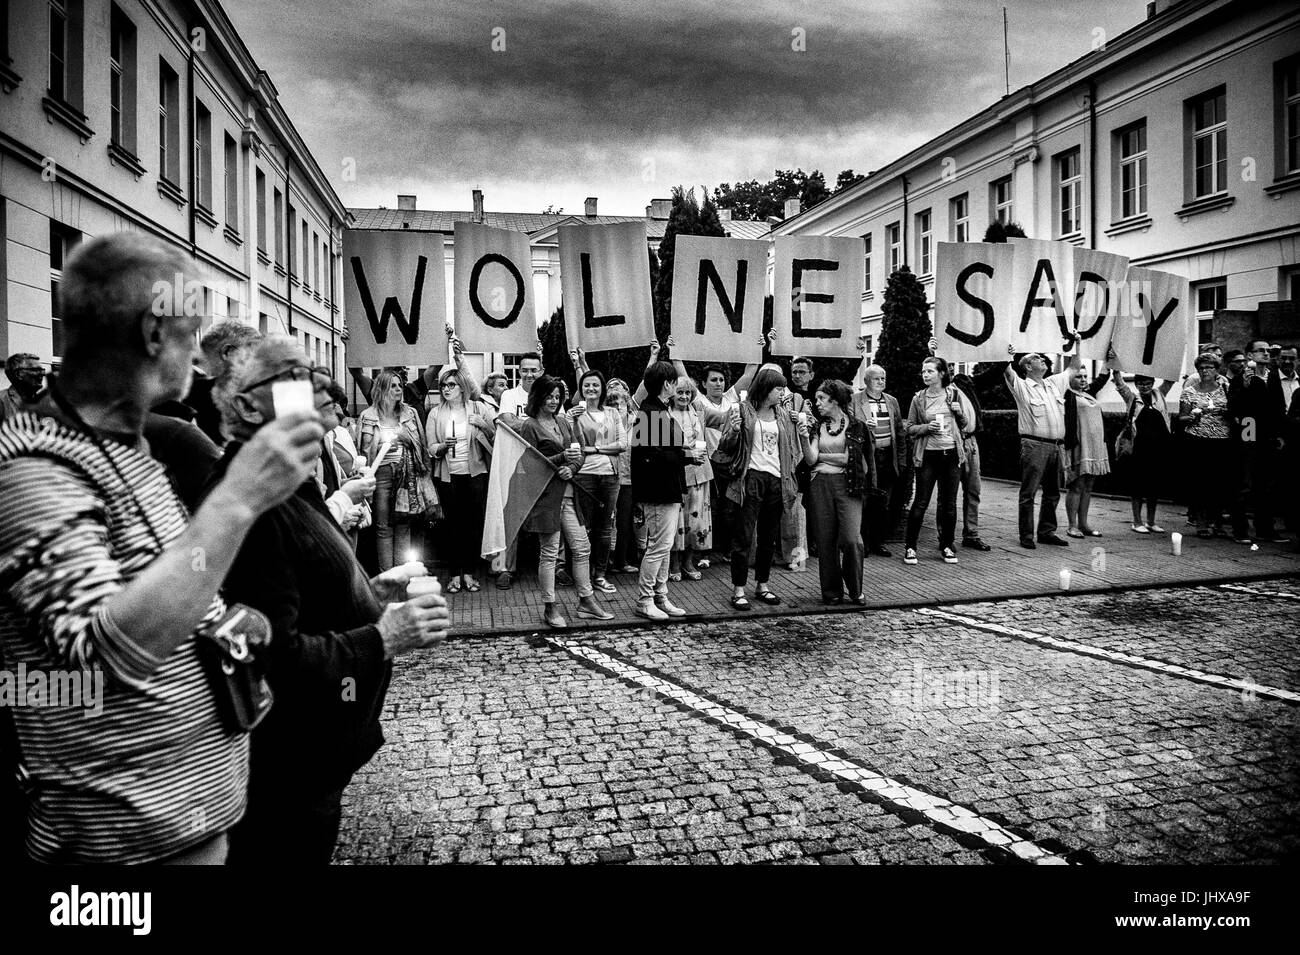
x=639 y=397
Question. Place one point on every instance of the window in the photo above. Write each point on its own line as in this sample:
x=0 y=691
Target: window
x=293 y=243
x=306 y=254
x=924 y=244
x=62 y=242
x=867 y=341
x=1000 y=200
x=1210 y=144
x=510 y=368
x=895 y=243
x=202 y=155
x=1069 y=193
x=58 y=49
x=121 y=79
x=1291 y=285
x=1209 y=296
x=1133 y=170
x=279 y=228
x=959 y=216
x=232 y=182
x=263 y=322
x=315 y=262
x=169 y=123
x=866 y=267
x=1291 y=116
x=261 y=211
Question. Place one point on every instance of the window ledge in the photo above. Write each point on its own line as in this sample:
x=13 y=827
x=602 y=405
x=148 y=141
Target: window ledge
x=120 y=155
x=1074 y=238
x=263 y=258
x=279 y=270
x=232 y=235
x=9 y=80
x=1283 y=184
x=926 y=278
x=68 y=115
x=204 y=216
x=293 y=279
x=1131 y=224
x=868 y=295
x=316 y=296
x=169 y=190
x=1208 y=204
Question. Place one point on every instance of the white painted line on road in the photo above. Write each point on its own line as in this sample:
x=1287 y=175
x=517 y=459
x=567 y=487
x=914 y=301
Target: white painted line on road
x=941 y=813
x=1116 y=656
x=1242 y=588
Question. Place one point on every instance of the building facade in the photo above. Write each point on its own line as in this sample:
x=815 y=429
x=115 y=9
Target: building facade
x=152 y=115
x=1175 y=144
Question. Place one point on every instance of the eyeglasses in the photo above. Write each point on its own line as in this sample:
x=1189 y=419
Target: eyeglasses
x=292 y=373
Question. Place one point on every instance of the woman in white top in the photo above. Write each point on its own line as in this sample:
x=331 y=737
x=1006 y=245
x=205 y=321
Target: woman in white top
x=603 y=435
x=935 y=421
x=695 y=521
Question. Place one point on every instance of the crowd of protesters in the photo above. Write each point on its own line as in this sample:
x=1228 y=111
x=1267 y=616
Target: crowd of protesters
x=243 y=574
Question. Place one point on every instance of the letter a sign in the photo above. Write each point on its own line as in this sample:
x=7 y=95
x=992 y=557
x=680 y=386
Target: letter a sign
x=717 y=302
x=493 y=285
x=394 y=293
x=817 y=296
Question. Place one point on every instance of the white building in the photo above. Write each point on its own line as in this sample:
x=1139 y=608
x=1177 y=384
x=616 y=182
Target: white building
x=152 y=115
x=1176 y=143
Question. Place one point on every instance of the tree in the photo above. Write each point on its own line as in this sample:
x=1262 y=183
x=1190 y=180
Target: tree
x=999 y=231
x=756 y=201
x=686 y=218
x=847 y=178
x=552 y=211
x=905 y=330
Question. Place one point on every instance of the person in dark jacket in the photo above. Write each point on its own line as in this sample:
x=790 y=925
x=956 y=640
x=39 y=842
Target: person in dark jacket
x=1253 y=439
x=659 y=456
x=334 y=634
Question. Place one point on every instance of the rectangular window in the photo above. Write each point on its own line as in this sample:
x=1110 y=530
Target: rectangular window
x=293 y=243
x=315 y=261
x=169 y=124
x=894 y=240
x=58 y=49
x=279 y=228
x=260 y=179
x=959 y=216
x=1291 y=116
x=866 y=266
x=202 y=155
x=121 y=79
x=1001 y=200
x=1209 y=297
x=924 y=244
x=1069 y=193
x=232 y=182
x=306 y=256
x=263 y=323
x=62 y=242
x=1133 y=170
x=1210 y=144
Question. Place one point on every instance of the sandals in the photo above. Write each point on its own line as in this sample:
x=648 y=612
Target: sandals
x=702 y=564
x=472 y=585
x=767 y=597
x=692 y=574
x=740 y=603
x=453 y=585
x=675 y=577
x=1074 y=532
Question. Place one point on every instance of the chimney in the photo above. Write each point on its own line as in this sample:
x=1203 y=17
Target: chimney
x=406 y=202
x=478 y=205
x=659 y=209
x=791 y=208
x=590 y=207
x=724 y=215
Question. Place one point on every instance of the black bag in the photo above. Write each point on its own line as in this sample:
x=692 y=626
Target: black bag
x=727 y=464
x=228 y=648
x=803 y=477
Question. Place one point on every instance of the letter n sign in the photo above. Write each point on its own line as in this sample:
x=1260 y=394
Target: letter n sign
x=717 y=303
x=817 y=296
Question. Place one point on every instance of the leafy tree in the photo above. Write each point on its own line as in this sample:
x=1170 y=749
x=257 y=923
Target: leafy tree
x=757 y=201
x=998 y=231
x=552 y=211
x=905 y=330
x=686 y=218
x=847 y=178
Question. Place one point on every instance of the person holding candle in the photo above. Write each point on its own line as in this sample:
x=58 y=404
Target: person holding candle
x=695 y=520
x=1207 y=430
x=390 y=423
x=556 y=513
x=459 y=433
x=843 y=463
x=603 y=437
x=938 y=414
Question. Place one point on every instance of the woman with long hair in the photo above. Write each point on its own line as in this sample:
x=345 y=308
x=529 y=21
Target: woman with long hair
x=695 y=521
x=842 y=456
x=460 y=430
x=603 y=434
x=938 y=413
x=390 y=422
x=763 y=447
x=556 y=512
x=1147 y=415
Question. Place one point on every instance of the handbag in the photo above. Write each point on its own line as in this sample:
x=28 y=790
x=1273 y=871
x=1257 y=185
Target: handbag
x=1124 y=443
x=228 y=649
x=803 y=477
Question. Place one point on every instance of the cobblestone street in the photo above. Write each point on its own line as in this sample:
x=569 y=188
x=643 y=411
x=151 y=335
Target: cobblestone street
x=1141 y=726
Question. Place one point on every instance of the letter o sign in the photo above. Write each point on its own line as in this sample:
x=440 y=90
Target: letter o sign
x=477 y=304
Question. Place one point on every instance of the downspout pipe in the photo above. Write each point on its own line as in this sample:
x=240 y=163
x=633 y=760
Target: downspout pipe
x=904 y=230
x=293 y=259
x=191 y=125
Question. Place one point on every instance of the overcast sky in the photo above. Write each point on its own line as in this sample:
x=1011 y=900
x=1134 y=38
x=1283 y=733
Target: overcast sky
x=623 y=99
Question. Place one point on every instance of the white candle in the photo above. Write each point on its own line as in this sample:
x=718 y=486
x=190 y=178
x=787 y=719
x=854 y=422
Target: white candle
x=803 y=419
x=383 y=453
x=1176 y=543
x=1065 y=578
x=290 y=397
x=423 y=585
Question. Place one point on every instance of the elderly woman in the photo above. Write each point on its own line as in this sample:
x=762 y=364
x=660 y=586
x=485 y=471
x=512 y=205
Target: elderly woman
x=695 y=520
x=603 y=434
x=1147 y=415
x=1085 y=454
x=556 y=512
x=936 y=418
x=843 y=460
x=1207 y=430
x=391 y=423
x=459 y=433
x=334 y=636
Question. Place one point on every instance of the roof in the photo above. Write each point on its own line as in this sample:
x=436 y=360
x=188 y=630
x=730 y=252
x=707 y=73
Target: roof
x=430 y=220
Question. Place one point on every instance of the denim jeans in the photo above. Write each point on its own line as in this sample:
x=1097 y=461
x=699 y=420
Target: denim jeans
x=575 y=535
x=602 y=511
x=937 y=467
x=392 y=536
x=837 y=522
x=661 y=528
x=1040 y=466
x=761 y=512
x=970 y=491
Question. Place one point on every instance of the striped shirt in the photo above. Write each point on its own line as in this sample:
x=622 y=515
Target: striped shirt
x=154 y=773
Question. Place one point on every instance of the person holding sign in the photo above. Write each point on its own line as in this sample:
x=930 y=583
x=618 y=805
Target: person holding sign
x=1147 y=425
x=1040 y=413
x=1086 y=455
x=935 y=420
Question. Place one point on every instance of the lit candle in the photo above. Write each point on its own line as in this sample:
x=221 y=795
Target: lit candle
x=1065 y=578
x=1176 y=543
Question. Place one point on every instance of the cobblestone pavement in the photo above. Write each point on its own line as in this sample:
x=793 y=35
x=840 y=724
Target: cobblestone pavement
x=880 y=736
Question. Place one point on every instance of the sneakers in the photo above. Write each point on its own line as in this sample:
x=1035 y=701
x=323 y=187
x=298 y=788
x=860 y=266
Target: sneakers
x=504 y=580
x=604 y=586
x=909 y=555
x=647 y=609
x=949 y=555
x=666 y=606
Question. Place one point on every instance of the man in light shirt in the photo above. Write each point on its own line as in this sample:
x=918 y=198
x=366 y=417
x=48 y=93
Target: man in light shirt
x=514 y=400
x=1040 y=411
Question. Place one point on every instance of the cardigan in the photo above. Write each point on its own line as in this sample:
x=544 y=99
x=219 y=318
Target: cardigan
x=544 y=518
x=917 y=415
x=480 y=445
x=740 y=443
